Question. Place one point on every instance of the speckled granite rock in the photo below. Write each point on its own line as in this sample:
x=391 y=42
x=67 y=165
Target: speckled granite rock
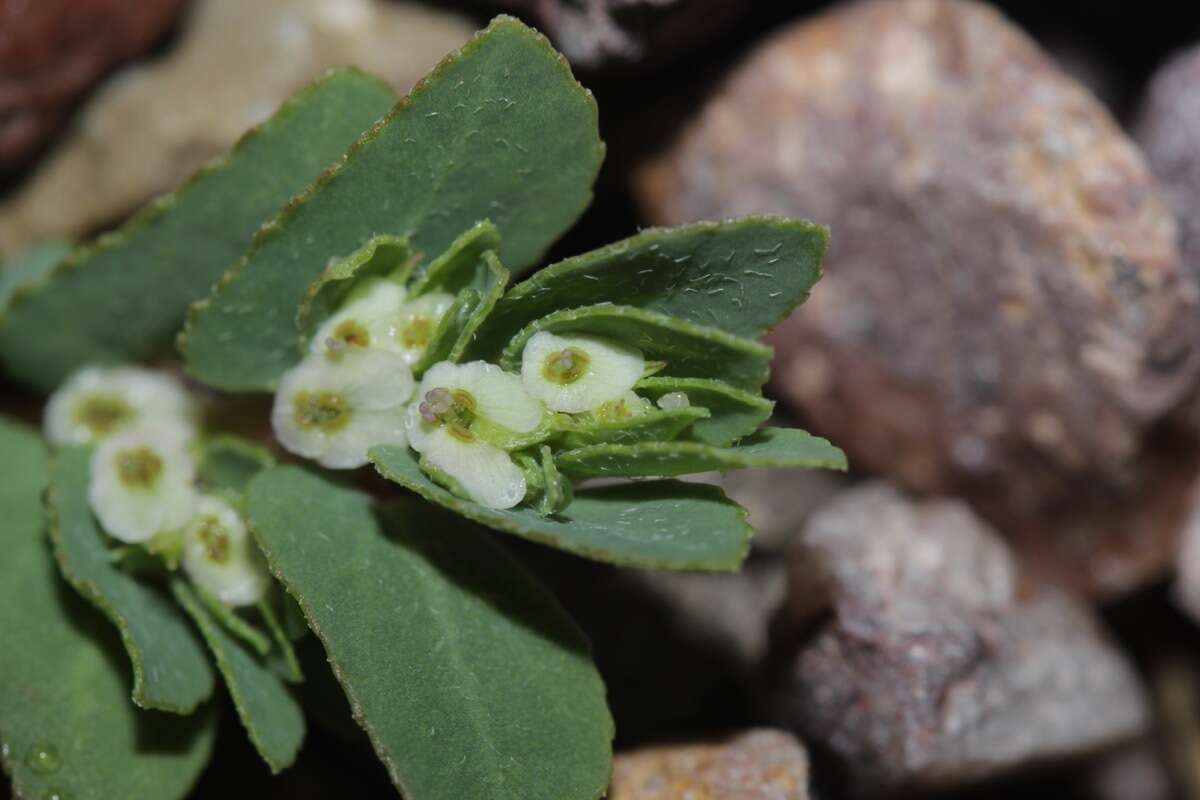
x=755 y=765
x=234 y=64
x=930 y=664
x=1003 y=308
x=53 y=50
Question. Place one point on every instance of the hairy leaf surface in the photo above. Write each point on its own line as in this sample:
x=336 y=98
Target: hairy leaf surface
x=67 y=728
x=465 y=673
x=499 y=131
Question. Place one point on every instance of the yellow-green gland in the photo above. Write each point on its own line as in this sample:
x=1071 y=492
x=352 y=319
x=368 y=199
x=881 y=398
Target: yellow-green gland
x=138 y=467
x=565 y=366
x=102 y=413
x=417 y=333
x=453 y=409
x=215 y=538
x=325 y=411
x=348 y=334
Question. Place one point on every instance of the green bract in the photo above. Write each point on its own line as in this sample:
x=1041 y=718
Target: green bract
x=357 y=260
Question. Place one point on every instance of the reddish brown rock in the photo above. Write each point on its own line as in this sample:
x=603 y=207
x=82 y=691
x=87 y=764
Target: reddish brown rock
x=924 y=660
x=1003 y=308
x=756 y=765
x=52 y=50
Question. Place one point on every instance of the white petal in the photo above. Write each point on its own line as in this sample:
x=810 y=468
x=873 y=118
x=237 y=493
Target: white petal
x=374 y=305
x=500 y=396
x=418 y=429
x=374 y=385
x=612 y=370
x=426 y=311
x=486 y=473
x=367 y=429
x=149 y=398
x=240 y=579
x=136 y=513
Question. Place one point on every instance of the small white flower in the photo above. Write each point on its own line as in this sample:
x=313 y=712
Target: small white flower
x=366 y=319
x=99 y=401
x=460 y=407
x=417 y=322
x=219 y=557
x=334 y=410
x=377 y=317
x=141 y=483
x=574 y=374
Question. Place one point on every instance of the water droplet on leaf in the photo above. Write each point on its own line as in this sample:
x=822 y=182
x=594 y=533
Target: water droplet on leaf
x=43 y=758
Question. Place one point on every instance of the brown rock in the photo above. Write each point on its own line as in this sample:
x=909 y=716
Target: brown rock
x=933 y=664
x=756 y=765
x=1003 y=308
x=52 y=50
x=235 y=63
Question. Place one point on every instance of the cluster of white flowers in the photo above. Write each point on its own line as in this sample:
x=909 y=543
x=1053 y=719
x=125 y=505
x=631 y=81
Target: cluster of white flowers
x=143 y=475
x=354 y=390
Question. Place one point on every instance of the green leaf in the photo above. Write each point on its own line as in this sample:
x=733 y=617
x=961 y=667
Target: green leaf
x=126 y=295
x=381 y=257
x=233 y=622
x=229 y=462
x=282 y=658
x=651 y=425
x=271 y=716
x=465 y=673
x=170 y=668
x=470 y=309
x=769 y=448
x=743 y=276
x=656 y=524
x=499 y=131
x=29 y=269
x=557 y=492
x=459 y=266
x=690 y=350
x=733 y=413
x=66 y=724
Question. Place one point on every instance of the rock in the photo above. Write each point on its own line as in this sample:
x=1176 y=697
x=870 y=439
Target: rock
x=931 y=662
x=1187 y=587
x=1136 y=772
x=1168 y=129
x=51 y=51
x=599 y=33
x=755 y=765
x=1003 y=309
x=235 y=63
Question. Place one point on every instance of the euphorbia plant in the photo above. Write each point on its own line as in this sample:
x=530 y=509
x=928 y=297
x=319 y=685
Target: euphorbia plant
x=377 y=307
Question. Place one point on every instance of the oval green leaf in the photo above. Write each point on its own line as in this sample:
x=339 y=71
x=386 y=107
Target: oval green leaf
x=126 y=295
x=733 y=413
x=67 y=728
x=769 y=448
x=381 y=257
x=654 y=524
x=655 y=425
x=743 y=276
x=465 y=673
x=689 y=350
x=271 y=716
x=170 y=668
x=500 y=131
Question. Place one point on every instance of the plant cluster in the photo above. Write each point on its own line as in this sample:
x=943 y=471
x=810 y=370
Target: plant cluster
x=375 y=304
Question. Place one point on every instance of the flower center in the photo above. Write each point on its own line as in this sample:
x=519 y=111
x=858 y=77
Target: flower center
x=348 y=334
x=417 y=332
x=215 y=538
x=453 y=409
x=565 y=366
x=138 y=467
x=327 y=411
x=101 y=413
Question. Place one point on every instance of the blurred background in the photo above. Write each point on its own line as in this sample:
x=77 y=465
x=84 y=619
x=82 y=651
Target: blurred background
x=1004 y=595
